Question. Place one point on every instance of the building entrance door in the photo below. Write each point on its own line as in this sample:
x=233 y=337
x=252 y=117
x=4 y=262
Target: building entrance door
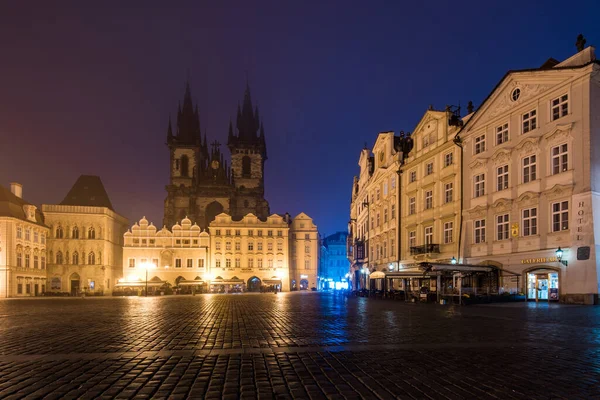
x=36 y=289
x=74 y=288
x=542 y=285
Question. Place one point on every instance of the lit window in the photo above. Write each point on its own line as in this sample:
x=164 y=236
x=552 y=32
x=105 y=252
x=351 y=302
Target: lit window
x=502 y=134
x=560 y=216
x=479 y=226
x=529 y=168
x=479 y=185
x=502 y=178
x=560 y=159
x=530 y=222
x=479 y=144
x=502 y=227
x=560 y=107
x=529 y=121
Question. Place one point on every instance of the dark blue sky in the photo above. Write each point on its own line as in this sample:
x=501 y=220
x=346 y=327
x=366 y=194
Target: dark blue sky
x=89 y=89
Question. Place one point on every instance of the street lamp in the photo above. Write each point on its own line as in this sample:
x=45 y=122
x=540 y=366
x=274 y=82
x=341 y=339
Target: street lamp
x=147 y=266
x=559 y=256
x=453 y=261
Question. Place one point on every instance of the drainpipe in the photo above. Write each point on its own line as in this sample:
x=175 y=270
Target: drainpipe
x=458 y=141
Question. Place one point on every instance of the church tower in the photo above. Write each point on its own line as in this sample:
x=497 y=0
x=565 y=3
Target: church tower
x=248 y=155
x=187 y=154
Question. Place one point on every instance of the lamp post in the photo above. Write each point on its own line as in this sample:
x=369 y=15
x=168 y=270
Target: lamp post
x=146 y=266
x=453 y=261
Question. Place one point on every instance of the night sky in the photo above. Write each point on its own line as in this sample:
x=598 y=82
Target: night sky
x=89 y=89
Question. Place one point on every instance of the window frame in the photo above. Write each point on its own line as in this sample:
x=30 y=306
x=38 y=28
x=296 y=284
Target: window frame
x=529 y=121
x=562 y=214
x=502 y=134
x=502 y=178
x=504 y=233
x=530 y=167
x=561 y=104
x=529 y=223
x=479 y=144
x=479 y=233
x=561 y=158
x=479 y=185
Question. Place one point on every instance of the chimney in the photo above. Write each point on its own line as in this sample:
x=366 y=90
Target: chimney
x=16 y=189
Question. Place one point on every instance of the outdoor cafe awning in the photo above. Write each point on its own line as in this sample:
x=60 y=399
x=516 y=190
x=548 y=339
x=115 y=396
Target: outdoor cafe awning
x=139 y=284
x=190 y=283
x=272 y=281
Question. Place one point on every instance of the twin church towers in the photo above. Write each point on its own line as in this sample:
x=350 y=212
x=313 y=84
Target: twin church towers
x=202 y=185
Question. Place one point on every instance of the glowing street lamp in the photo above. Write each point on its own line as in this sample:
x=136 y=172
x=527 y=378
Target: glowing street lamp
x=559 y=256
x=147 y=266
x=453 y=261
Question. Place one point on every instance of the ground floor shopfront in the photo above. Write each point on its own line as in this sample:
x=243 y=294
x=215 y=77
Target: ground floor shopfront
x=189 y=282
x=545 y=276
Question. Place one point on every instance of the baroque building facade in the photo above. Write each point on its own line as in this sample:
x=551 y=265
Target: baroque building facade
x=23 y=241
x=531 y=180
x=504 y=198
x=202 y=185
x=246 y=255
x=86 y=240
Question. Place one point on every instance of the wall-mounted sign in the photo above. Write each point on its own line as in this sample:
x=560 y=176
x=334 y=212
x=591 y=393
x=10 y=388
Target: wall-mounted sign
x=303 y=276
x=583 y=253
x=514 y=230
x=538 y=260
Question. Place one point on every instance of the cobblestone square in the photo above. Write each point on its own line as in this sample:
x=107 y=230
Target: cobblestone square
x=295 y=345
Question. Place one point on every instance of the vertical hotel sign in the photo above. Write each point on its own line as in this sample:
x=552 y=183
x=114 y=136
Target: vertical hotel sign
x=581 y=219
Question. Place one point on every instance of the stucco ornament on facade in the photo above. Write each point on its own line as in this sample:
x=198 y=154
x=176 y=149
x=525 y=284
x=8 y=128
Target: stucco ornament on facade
x=505 y=101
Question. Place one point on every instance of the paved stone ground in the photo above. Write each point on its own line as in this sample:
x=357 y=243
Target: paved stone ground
x=295 y=345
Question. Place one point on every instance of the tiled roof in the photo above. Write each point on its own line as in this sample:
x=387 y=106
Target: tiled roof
x=89 y=191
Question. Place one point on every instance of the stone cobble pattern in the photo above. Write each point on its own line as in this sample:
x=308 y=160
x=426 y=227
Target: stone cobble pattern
x=296 y=346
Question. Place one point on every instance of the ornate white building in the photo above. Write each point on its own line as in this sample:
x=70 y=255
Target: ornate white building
x=245 y=255
x=85 y=244
x=23 y=236
x=531 y=180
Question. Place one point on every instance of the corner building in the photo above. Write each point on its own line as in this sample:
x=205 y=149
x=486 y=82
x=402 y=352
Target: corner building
x=23 y=235
x=85 y=245
x=532 y=180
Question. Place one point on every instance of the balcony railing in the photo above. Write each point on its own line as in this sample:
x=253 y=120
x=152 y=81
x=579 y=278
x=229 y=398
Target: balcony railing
x=430 y=248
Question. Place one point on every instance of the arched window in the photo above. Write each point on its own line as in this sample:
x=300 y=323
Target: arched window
x=59 y=232
x=75 y=233
x=246 y=167
x=59 y=257
x=184 y=166
x=75 y=258
x=91 y=258
x=91 y=233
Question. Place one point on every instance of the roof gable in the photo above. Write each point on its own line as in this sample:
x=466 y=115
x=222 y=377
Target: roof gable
x=15 y=207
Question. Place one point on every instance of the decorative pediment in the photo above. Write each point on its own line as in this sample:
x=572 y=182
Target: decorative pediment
x=501 y=156
x=560 y=133
x=478 y=212
x=557 y=191
x=502 y=205
x=478 y=163
x=528 y=198
x=528 y=145
x=506 y=99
